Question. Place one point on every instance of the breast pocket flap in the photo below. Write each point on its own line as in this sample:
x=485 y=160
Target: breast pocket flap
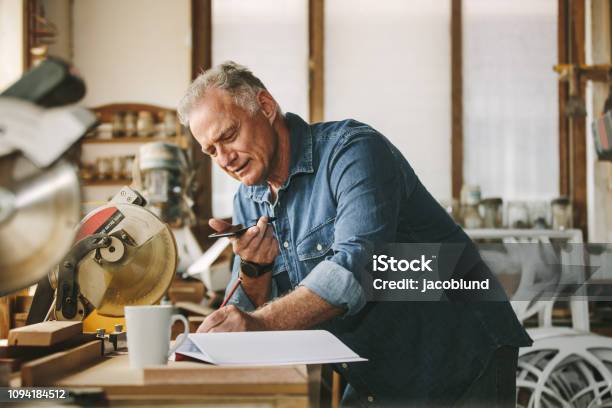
x=316 y=242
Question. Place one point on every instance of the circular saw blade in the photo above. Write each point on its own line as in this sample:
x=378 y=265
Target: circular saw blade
x=145 y=271
x=45 y=207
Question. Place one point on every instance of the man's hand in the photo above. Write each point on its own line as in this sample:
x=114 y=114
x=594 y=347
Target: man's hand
x=230 y=319
x=256 y=245
x=300 y=309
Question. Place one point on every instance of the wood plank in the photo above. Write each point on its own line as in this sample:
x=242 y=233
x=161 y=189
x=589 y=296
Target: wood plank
x=45 y=333
x=185 y=378
x=456 y=98
x=46 y=370
x=198 y=373
x=316 y=62
x=5 y=316
x=27 y=353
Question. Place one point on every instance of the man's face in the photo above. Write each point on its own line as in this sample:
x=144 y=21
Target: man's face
x=243 y=145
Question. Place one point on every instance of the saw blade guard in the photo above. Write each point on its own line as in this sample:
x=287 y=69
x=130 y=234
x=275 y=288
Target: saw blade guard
x=137 y=267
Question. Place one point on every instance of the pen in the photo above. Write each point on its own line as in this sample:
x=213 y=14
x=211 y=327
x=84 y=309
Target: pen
x=231 y=292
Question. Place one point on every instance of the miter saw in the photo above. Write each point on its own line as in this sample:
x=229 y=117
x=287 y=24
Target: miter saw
x=119 y=254
x=39 y=190
x=123 y=255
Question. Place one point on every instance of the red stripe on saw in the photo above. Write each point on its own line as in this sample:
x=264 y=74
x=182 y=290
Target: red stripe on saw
x=94 y=222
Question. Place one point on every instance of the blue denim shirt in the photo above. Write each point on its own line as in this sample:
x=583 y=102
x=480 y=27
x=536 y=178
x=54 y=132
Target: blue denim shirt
x=349 y=191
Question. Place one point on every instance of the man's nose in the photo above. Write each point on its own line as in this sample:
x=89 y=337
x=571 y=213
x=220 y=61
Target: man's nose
x=225 y=157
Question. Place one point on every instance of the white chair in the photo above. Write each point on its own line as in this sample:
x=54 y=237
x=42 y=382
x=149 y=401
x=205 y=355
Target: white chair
x=566 y=366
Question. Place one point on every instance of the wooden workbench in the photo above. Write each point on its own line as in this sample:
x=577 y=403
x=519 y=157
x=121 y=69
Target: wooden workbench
x=194 y=383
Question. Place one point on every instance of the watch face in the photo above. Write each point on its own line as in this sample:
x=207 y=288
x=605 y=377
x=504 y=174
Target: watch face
x=249 y=269
x=253 y=270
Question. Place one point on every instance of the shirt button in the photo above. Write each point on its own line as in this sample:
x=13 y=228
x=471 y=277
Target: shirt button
x=319 y=247
x=370 y=398
x=344 y=365
x=286 y=244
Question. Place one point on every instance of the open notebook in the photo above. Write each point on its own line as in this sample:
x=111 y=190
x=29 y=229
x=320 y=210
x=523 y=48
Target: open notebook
x=266 y=348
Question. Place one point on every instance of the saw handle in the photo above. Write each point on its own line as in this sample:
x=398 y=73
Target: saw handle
x=67 y=286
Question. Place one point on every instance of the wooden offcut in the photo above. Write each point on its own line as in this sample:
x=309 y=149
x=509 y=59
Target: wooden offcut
x=44 y=334
x=46 y=370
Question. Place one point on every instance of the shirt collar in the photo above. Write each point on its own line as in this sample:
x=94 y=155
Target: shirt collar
x=300 y=144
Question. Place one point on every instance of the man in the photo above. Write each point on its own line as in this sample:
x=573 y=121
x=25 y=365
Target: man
x=339 y=190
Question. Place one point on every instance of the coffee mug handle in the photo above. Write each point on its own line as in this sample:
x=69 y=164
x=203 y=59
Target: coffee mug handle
x=178 y=343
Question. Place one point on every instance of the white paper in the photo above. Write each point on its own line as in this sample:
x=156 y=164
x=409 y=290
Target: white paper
x=204 y=263
x=267 y=348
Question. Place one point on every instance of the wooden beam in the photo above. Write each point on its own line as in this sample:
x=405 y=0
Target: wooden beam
x=572 y=130
x=201 y=60
x=578 y=146
x=201 y=21
x=316 y=65
x=456 y=98
x=563 y=58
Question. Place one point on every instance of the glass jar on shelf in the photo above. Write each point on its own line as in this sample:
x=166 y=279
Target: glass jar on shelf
x=470 y=199
x=539 y=214
x=518 y=215
x=145 y=126
x=118 y=125
x=562 y=213
x=492 y=212
x=130 y=123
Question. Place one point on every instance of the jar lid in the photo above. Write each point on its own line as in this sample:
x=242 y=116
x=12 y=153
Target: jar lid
x=561 y=201
x=492 y=201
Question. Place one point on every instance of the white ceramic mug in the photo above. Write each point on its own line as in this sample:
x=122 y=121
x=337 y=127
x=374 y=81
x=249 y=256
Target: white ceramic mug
x=148 y=334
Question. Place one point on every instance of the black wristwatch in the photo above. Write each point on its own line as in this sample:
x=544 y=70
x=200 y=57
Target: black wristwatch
x=253 y=270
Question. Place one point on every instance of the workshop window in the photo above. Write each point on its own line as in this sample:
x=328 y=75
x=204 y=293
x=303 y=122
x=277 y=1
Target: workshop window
x=511 y=146
x=271 y=38
x=387 y=64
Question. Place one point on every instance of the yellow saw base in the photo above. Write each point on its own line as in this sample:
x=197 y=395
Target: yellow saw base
x=95 y=321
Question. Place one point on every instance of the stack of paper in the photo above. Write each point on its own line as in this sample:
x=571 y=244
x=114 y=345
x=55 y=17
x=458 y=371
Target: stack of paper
x=267 y=348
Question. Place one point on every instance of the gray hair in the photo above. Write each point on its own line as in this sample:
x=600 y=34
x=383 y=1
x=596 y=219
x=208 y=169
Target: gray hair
x=234 y=78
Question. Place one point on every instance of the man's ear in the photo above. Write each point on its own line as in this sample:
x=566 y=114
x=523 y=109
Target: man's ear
x=268 y=105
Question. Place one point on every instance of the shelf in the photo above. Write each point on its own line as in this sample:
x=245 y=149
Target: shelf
x=108 y=182
x=598 y=72
x=93 y=140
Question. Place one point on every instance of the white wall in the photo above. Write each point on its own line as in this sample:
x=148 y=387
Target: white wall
x=130 y=51
x=11 y=41
x=133 y=51
x=387 y=63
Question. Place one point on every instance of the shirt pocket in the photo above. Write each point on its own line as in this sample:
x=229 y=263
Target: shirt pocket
x=316 y=243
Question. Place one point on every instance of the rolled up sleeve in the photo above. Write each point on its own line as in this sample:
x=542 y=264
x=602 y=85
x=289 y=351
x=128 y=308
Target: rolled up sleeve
x=336 y=285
